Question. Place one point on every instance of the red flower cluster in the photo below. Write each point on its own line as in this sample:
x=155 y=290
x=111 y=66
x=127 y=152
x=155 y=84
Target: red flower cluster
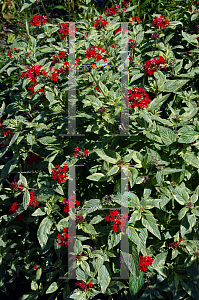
x=32 y=158
x=9 y=54
x=83 y=286
x=97 y=88
x=37 y=20
x=126 y=2
x=176 y=245
x=121 y=28
x=80 y=219
x=14 y=186
x=135 y=18
x=160 y=22
x=57 y=56
x=138 y=98
x=154 y=64
x=60 y=173
x=33 y=200
x=32 y=73
x=101 y=110
x=112 y=11
x=67 y=202
x=132 y=44
x=145 y=262
x=14 y=208
x=86 y=152
x=77 y=256
x=114 y=217
x=92 y=52
x=100 y=23
x=64 y=30
x=64 y=237
x=155 y=36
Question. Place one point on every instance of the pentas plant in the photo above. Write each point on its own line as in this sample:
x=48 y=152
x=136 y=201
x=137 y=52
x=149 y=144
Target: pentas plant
x=161 y=156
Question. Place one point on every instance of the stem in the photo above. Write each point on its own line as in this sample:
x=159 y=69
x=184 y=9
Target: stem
x=60 y=214
x=156 y=92
x=48 y=17
x=97 y=85
x=107 y=50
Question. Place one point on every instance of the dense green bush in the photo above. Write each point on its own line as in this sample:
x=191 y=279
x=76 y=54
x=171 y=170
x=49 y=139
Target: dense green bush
x=145 y=133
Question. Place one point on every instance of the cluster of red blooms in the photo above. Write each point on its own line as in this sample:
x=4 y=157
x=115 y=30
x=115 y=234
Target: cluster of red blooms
x=32 y=73
x=114 y=217
x=80 y=219
x=57 y=56
x=113 y=10
x=100 y=23
x=160 y=22
x=120 y=28
x=132 y=44
x=64 y=237
x=176 y=245
x=14 y=186
x=8 y=134
x=154 y=64
x=67 y=203
x=77 y=256
x=145 y=262
x=92 y=52
x=64 y=30
x=37 y=20
x=16 y=205
x=135 y=18
x=32 y=158
x=60 y=173
x=83 y=286
x=97 y=88
x=126 y=2
x=138 y=98
x=101 y=110
x=86 y=152
x=9 y=52
x=2 y=126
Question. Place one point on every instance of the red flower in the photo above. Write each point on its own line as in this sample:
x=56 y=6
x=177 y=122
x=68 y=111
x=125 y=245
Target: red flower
x=80 y=219
x=57 y=56
x=32 y=158
x=64 y=237
x=111 y=11
x=135 y=18
x=38 y=19
x=9 y=54
x=180 y=239
x=67 y=203
x=100 y=23
x=138 y=98
x=60 y=173
x=114 y=217
x=35 y=266
x=83 y=285
x=145 y=262
x=64 y=30
x=154 y=64
x=2 y=126
x=14 y=208
x=92 y=52
x=160 y=22
x=33 y=200
x=121 y=28
x=175 y=245
x=14 y=185
x=86 y=152
x=132 y=44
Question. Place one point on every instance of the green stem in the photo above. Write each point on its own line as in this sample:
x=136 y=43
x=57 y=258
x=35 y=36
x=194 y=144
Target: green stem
x=98 y=85
x=108 y=50
x=60 y=214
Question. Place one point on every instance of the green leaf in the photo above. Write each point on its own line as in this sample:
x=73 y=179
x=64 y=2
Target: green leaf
x=50 y=96
x=38 y=274
x=9 y=70
x=180 y=195
x=161 y=78
x=103 y=278
x=133 y=236
x=27 y=4
x=103 y=88
x=167 y=135
x=190 y=38
x=139 y=37
x=156 y=103
x=182 y=212
x=174 y=85
x=113 y=239
x=113 y=171
x=168 y=171
x=173 y=282
x=136 y=76
x=189 y=287
x=96 y=219
x=34 y=286
x=38 y=212
x=52 y=288
x=9 y=167
x=135 y=284
x=97 y=177
x=159 y=260
x=188 y=137
x=43 y=231
x=26 y=199
x=107 y=155
x=190 y=159
x=47 y=140
x=134 y=263
x=149 y=222
x=88 y=228
x=114 y=287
